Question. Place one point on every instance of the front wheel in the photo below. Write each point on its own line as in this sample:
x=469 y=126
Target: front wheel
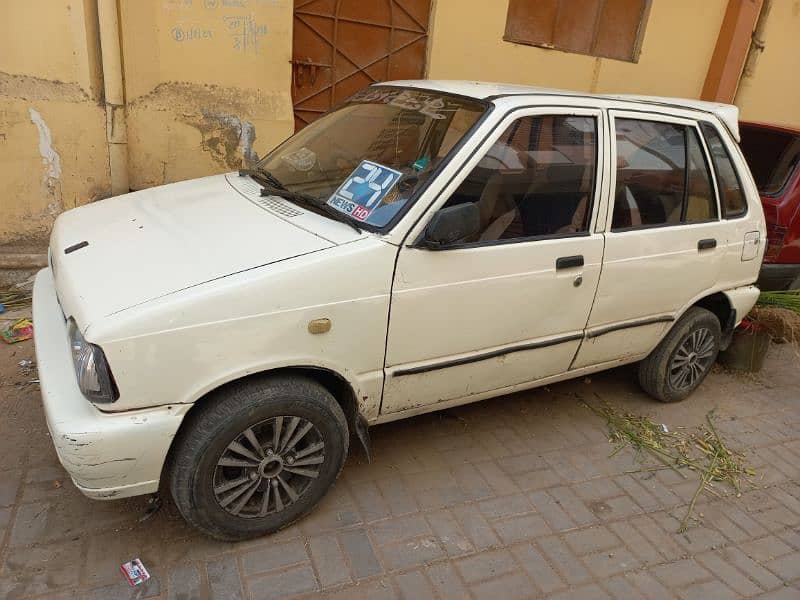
x=258 y=456
x=683 y=359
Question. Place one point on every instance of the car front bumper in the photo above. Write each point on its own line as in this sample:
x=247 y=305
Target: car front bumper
x=107 y=455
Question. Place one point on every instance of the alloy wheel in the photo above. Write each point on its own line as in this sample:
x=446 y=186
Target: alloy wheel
x=692 y=359
x=268 y=466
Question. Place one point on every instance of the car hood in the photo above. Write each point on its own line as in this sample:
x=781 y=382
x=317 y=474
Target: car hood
x=117 y=253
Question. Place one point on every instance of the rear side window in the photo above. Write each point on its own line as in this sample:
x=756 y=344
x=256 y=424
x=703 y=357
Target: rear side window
x=732 y=198
x=772 y=156
x=662 y=176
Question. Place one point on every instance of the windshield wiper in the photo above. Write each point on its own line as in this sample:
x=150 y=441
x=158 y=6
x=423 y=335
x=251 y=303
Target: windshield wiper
x=272 y=186
x=310 y=201
x=261 y=174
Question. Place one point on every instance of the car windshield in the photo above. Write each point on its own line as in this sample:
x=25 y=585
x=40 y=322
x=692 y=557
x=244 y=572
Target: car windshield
x=368 y=157
x=772 y=156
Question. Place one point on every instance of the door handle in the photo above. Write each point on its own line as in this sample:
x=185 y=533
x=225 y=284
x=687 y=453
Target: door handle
x=707 y=244
x=299 y=67
x=569 y=262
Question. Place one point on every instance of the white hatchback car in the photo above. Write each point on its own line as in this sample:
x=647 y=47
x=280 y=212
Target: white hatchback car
x=424 y=245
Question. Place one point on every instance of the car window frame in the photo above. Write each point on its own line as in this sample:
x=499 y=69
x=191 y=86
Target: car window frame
x=725 y=144
x=644 y=115
x=482 y=148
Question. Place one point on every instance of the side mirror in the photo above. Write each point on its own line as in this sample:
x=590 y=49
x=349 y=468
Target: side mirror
x=451 y=224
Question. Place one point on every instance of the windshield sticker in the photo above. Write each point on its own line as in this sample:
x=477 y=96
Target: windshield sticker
x=364 y=190
x=430 y=105
x=302 y=160
x=421 y=163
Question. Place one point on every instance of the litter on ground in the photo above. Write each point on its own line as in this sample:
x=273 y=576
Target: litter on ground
x=18 y=331
x=134 y=572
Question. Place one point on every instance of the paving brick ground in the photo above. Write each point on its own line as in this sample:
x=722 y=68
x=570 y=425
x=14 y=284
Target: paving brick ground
x=510 y=498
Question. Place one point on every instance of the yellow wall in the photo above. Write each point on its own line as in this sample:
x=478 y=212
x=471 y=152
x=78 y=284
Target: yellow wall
x=52 y=126
x=772 y=93
x=467 y=43
x=206 y=82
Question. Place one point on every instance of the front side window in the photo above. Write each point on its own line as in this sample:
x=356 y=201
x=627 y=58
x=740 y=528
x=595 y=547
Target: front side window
x=662 y=176
x=732 y=198
x=536 y=180
x=369 y=157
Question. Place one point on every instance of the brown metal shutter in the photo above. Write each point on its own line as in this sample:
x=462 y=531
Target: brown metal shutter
x=606 y=28
x=342 y=46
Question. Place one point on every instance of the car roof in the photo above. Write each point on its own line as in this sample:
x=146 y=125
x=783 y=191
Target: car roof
x=482 y=90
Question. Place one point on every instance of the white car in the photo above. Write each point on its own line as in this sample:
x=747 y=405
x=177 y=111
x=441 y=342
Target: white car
x=424 y=245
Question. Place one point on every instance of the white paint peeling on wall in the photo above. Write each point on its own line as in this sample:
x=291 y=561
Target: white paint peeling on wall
x=51 y=184
x=50 y=158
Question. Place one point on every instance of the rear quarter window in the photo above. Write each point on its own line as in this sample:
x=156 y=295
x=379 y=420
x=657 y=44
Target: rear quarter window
x=732 y=198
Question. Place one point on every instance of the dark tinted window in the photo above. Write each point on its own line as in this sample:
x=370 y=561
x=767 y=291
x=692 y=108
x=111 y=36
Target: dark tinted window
x=654 y=185
x=651 y=173
x=732 y=199
x=536 y=180
x=772 y=156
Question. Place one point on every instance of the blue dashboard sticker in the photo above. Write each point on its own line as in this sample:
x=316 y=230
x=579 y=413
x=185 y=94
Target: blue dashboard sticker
x=364 y=190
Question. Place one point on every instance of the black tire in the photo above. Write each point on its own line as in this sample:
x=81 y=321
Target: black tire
x=660 y=374
x=260 y=406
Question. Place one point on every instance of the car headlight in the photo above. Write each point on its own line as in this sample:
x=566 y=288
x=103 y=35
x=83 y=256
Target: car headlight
x=91 y=368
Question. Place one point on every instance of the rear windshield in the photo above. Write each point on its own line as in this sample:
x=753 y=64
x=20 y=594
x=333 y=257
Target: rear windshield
x=771 y=155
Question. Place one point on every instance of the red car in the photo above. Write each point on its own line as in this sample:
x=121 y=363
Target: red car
x=773 y=154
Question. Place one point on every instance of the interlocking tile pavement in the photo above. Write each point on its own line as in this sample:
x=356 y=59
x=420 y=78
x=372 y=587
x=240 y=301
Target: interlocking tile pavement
x=517 y=497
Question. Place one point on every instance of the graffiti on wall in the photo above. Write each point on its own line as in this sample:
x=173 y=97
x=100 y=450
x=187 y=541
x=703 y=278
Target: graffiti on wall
x=244 y=31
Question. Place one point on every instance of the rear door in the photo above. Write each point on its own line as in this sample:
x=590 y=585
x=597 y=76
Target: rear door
x=664 y=240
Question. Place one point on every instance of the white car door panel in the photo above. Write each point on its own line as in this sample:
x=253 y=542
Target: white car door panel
x=473 y=320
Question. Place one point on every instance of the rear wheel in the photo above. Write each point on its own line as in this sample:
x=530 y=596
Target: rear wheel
x=683 y=359
x=258 y=456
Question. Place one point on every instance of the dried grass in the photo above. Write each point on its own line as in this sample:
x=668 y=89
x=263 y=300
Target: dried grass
x=782 y=324
x=702 y=450
x=15 y=299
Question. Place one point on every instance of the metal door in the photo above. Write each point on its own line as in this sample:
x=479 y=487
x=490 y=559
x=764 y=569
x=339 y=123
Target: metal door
x=341 y=46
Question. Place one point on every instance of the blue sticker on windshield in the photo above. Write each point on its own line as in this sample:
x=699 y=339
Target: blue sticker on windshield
x=364 y=190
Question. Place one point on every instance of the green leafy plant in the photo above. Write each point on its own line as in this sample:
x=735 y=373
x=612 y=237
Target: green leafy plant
x=790 y=300
x=779 y=314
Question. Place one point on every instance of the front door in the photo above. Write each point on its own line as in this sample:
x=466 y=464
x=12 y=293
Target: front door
x=342 y=46
x=509 y=305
